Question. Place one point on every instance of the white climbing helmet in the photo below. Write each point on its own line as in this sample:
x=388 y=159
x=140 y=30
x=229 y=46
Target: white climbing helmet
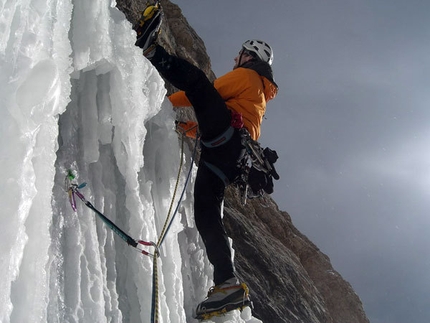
x=261 y=48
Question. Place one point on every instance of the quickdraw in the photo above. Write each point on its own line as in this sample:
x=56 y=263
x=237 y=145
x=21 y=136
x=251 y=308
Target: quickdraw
x=73 y=191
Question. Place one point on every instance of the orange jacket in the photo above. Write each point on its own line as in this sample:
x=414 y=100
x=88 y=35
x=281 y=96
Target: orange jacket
x=244 y=91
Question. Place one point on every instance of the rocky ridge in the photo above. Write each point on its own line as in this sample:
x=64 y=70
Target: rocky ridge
x=290 y=279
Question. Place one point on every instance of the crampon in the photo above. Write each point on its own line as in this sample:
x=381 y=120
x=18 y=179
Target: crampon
x=222 y=300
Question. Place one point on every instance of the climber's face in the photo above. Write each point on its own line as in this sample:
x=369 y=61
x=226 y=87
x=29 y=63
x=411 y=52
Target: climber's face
x=242 y=58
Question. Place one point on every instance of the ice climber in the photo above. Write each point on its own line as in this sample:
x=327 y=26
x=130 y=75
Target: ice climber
x=235 y=99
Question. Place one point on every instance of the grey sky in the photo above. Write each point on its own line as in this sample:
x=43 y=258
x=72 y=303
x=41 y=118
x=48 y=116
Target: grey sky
x=351 y=124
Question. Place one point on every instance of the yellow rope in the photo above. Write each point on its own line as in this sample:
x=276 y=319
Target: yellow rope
x=163 y=232
x=155 y=318
x=155 y=314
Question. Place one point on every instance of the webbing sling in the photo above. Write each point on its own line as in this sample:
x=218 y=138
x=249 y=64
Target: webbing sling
x=217 y=172
x=220 y=140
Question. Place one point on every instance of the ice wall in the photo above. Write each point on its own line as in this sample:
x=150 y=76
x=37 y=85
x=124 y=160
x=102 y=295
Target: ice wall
x=76 y=93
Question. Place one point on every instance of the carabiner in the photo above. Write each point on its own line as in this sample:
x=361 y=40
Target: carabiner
x=148 y=244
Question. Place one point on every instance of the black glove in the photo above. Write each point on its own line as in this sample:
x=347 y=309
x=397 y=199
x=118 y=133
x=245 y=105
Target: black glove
x=259 y=180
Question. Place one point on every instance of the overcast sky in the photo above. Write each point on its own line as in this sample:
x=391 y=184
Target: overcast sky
x=351 y=126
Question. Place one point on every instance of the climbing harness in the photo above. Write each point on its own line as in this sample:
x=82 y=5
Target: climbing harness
x=256 y=164
x=73 y=190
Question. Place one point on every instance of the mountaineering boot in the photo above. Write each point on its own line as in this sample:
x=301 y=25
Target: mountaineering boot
x=148 y=28
x=226 y=297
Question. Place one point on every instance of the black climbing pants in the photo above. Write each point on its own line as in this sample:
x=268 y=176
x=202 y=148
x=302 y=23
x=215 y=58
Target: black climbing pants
x=214 y=119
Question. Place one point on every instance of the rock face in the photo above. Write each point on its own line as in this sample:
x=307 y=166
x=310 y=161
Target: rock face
x=290 y=279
